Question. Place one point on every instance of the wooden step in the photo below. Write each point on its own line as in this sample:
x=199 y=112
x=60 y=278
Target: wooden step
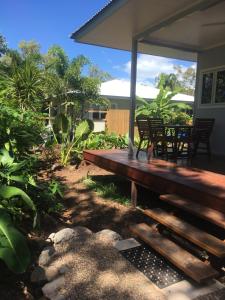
x=196 y=209
x=188 y=263
x=198 y=237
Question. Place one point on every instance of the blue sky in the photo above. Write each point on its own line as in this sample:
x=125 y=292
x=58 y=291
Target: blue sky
x=51 y=22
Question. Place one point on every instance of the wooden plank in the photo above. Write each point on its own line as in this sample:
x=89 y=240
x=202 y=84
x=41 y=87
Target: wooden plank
x=189 y=264
x=164 y=177
x=200 y=238
x=206 y=213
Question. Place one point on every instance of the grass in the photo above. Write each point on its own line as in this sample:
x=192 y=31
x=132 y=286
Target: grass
x=106 y=189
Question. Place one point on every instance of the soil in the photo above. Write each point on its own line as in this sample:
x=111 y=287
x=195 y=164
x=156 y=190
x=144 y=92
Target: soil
x=82 y=207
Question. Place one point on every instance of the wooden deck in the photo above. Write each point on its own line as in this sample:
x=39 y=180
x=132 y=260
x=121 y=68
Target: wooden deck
x=202 y=186
x=197 y=191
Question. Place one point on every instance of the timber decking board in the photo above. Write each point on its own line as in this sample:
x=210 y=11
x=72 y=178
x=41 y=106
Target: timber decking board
x=196 y=209
x=189 y=264
x=202 y=239
x=164 y=177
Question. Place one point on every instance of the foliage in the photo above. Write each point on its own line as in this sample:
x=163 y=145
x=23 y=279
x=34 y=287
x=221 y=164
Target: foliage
x=105 y=189
x=186 y=79
x=3 y=45
x=69 y=136
x=182 y=80
x=13 y=247
x=95 y=72
x=105 y=141
x=162 y=106
x=23 y=86
x=14 y=204
x=20 y=130
x=168 y=81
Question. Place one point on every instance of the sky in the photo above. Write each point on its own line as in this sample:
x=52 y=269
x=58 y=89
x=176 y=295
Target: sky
x=52 y=21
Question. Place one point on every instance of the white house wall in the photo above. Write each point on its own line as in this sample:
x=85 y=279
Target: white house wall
x=213 y=58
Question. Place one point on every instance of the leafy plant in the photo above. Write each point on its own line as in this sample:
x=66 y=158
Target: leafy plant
x=20 y=131
x=13 y=247
x=70 y=137
x=105 y=141
x=162 y=106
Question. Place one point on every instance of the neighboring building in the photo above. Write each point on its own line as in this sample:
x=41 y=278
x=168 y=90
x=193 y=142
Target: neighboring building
x=117 y=91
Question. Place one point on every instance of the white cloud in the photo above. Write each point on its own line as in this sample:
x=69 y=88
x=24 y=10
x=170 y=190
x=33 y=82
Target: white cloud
x=149 y=67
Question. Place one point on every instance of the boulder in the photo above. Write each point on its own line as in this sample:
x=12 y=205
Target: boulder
x=46 y=256
x=38 y=275
x=63 y=235
x=78 y=233
x=108 y=236
x=51 y=273
x=51 y=289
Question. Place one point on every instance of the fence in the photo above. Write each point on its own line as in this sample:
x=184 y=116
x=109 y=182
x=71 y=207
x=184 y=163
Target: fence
x=117 y=121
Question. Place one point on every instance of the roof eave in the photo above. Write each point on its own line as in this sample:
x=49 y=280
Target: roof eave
x=104 y=13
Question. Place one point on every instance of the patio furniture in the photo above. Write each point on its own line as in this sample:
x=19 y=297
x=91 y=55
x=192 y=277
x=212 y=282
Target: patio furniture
x=201 y=135
x=178 y=140
x=157 y=135
x=151 y=132
x=143 y=130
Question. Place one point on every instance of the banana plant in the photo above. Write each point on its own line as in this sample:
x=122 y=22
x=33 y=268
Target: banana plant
x=70 y=136
x=162 y=106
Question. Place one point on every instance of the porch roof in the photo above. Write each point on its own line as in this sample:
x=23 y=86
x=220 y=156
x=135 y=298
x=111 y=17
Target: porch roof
x=176 y=28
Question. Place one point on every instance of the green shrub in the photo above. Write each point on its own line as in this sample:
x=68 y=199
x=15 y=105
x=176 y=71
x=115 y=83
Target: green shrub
x=20 y=130
x=105 y=141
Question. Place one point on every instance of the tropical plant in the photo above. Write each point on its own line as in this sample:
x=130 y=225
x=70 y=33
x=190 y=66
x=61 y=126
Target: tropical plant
x=104 y=140
x=162 y=106
x=20 y=130
x=70 y=136
x=23 y=86
x=13 y=246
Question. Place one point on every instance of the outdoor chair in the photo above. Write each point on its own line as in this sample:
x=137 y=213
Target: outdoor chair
x=178 y=141
x=157 y=135
x=143 y=130
x=150 y=132
x=201 y=135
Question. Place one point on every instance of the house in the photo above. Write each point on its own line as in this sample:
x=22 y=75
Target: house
x=117 y=91
x=185 y=29
x=191 y=30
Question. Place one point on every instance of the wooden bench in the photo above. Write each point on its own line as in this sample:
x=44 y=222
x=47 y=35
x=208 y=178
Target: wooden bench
x=188 y=263
x=198 y=237
x=199 y=210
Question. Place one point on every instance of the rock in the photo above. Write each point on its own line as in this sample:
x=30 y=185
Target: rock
x=82 y=233
x=51 y=237
x=51 y=273
x=51 y=289
x=108 y=235
x=38 y=275
x=78 y=233
x=64 y=269
x=46 y=256
x=63 y=235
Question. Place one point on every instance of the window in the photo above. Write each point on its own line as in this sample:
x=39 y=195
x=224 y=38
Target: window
x=220 y=87
x=213 y=87
x=99 y=115
x=207 y=86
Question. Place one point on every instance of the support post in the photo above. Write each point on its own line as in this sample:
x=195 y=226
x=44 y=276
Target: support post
x=133 y=80
x=133 y=194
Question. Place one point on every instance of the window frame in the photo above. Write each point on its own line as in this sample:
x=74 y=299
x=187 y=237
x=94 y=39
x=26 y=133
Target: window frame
x=213 y=103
